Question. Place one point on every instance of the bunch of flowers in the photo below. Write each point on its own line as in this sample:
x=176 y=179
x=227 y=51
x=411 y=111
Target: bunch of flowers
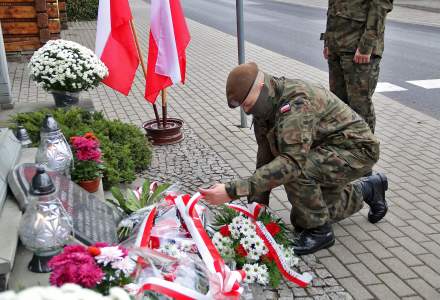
x=87 y=157
x=66 y=66
x=67 y=291
x=98 y=267
x=237 y=241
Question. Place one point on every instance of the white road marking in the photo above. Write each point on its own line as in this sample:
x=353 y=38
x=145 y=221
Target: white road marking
x=427 y=84
x=383 y=87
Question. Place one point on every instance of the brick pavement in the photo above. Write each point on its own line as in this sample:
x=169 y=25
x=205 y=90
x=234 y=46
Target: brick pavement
x=398 y=258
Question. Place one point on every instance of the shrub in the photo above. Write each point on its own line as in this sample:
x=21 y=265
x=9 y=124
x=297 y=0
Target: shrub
x=82 y=10
x=124 y=147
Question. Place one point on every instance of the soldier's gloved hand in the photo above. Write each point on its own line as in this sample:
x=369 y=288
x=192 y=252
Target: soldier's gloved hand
x=262 y=198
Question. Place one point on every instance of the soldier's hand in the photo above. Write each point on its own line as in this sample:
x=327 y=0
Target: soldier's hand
x=361 y=58
x=325 y=52
x=215 y=195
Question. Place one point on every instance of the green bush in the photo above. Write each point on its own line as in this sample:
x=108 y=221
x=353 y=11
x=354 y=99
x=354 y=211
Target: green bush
x=82 y=10
x=125 y=148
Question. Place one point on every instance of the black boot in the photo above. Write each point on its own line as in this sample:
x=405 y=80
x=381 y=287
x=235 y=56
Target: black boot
x=314 y=239
x=373 y=191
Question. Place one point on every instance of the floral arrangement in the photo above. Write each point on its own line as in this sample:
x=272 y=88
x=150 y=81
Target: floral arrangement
x=237 y=241
x=63 y=65
x=87 y=157
x=67 y=291
x=98 y=267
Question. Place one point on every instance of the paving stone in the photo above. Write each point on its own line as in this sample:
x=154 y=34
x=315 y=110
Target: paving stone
x=396 y=284
x=411 y=245
x=361 y=272
x=355 y=289
x=399 y=268
x=335 y=267
x=381 y=291
x=428 y=275
x=343 y=254
x=352 y=244
x=405 y=255
x=424 y=289
x=376 y=248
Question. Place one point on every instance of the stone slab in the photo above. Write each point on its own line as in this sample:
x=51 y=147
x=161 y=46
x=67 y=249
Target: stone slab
x=93 y=219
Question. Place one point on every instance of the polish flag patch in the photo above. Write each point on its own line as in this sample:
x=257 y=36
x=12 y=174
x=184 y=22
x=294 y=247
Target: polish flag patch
x=285 y=108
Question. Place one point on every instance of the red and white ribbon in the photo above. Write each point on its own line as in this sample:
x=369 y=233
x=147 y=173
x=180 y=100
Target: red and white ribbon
x=227 y=280
x=253 y=211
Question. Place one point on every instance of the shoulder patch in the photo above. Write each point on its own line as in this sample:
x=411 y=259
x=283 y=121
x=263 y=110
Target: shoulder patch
x=285 y=108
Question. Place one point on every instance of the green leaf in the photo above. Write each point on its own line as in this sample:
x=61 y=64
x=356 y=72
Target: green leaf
x=132 y=201
x=145 y=193
x=156 y=195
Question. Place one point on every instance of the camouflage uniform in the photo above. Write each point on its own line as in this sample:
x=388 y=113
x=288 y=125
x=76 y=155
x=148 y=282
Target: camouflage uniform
x=314 y=145
x=353 y=24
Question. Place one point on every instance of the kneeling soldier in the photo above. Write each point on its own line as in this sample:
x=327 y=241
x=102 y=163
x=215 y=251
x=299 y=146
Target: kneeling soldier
x=312 y=143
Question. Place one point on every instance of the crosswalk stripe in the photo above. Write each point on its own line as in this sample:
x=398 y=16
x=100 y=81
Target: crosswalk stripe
x=383 y=87
x=427 y=84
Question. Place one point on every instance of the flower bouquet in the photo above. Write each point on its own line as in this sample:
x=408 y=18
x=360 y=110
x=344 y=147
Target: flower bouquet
x=63 y=66
x=193 y=269
x=257 y=242
x=99 y=267
x=87 y=164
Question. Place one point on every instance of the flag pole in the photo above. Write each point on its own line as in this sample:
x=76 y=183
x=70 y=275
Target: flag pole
x=133 y=30
x=164 y=107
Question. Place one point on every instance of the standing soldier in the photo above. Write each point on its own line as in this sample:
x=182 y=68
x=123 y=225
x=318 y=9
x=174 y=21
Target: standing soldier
x=353 y=46
x=312 y=143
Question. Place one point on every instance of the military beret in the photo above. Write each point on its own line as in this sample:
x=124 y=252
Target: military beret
x=239 y=83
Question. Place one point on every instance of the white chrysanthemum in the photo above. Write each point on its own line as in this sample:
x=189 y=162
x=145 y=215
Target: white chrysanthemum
x=255 y=247
x=262 y=275
x=109 y=255
x=223 y=244
x=251 y=272
x=126 y=265
x=171 y=249
x=67 y=291
x=66 y=65
x=291 y=259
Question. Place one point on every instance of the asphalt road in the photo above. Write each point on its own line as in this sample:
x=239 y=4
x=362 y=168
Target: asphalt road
x=412 y=52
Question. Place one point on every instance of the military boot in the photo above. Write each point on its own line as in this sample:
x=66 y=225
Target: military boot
x=373 y=190
x=314 y=239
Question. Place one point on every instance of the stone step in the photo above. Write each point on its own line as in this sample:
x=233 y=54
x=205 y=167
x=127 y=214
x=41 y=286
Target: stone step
x=9 y=221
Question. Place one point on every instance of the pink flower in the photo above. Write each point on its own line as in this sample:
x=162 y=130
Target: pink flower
x=74 y=248
x=89 y=275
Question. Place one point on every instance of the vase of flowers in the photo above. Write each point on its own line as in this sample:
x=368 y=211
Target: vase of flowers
x=66 y=68
x=87 y=164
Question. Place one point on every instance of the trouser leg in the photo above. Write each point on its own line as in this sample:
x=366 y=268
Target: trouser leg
x=361 y=81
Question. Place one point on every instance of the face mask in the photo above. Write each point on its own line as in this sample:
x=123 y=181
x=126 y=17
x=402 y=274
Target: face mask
x=263 y=107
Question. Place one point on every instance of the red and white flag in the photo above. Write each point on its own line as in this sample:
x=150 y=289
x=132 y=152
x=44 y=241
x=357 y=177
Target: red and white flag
x=115 y=44
x=169 y=37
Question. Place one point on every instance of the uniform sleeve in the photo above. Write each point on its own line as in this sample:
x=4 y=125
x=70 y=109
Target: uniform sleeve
x=264 y=156
x=375 y=24
x=295 y=129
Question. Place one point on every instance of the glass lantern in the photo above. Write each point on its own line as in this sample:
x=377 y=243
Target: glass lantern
x=54 y=151
x=23 y=136
x=45 y=226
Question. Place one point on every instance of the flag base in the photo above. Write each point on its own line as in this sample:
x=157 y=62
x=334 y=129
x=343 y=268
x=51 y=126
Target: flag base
x=159 y=135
